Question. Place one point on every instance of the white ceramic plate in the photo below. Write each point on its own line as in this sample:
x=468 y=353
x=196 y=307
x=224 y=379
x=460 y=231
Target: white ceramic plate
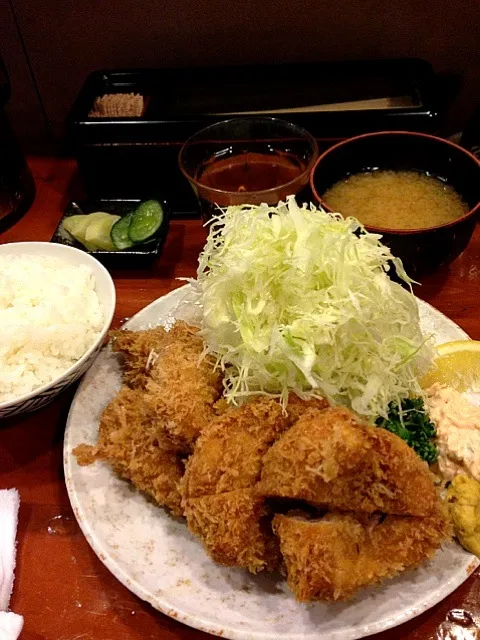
x=155 y=556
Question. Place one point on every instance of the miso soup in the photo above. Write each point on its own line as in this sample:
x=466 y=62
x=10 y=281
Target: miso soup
x=396 y=200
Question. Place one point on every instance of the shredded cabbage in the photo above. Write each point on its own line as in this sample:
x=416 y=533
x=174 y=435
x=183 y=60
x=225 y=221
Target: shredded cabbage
x=297 y=299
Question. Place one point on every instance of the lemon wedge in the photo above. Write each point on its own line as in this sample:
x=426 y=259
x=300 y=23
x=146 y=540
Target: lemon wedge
x=457 y=364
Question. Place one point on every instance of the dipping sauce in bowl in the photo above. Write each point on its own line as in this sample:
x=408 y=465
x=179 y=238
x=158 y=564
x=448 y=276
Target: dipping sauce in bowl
x=250 y=172
x=420 y=192
x=396 y=199
x=247 y=160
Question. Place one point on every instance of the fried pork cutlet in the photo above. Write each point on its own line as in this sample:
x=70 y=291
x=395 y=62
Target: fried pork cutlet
x=235 y=529
x=330 y=458
x=148 y=428
x=333 y=557
x=182 y=387
x=228 y=455
x=296 y=406
x=139 y=349
x=220 y=502
x=138 y=448
x=218 y=495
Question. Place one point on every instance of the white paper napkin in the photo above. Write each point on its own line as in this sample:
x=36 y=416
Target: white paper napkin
x=10 y=623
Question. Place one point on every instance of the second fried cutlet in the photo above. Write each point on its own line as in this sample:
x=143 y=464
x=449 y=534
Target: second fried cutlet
x=333 y=557
x=221 y=505
x=228 y=454
x=235 y=529
x=218 y=496
x=330 y=458
x=137 y=447
x=297 y=407
x=182 y=386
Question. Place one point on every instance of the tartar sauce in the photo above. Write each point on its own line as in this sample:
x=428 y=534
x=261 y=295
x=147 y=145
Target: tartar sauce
x=458 y=431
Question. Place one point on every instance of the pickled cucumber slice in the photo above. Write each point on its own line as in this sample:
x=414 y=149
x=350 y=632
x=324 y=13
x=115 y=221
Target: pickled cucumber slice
x=146 y=221
x=98 y=232
x=119 y=233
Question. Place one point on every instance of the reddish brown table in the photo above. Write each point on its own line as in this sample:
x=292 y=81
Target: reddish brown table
x=62 y=589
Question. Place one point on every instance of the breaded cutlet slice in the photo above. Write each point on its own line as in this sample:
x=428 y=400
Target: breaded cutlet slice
x=296 y=406
x=331 y=558
x=235 y=529
x=219 y=498
x=182 y=387
x=137 y=447
x=228 y=454
x=330 y=458
x=138 y=349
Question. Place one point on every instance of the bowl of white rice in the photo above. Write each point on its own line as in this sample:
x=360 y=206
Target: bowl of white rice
x=56 y=306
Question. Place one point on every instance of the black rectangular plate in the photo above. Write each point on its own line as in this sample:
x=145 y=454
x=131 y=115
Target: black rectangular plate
x=138 y=257
x=133 y=157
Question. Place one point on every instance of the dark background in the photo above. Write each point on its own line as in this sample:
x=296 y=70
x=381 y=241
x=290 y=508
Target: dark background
x=50 y=46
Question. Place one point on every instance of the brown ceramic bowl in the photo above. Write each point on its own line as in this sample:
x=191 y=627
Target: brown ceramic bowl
x=421 y=250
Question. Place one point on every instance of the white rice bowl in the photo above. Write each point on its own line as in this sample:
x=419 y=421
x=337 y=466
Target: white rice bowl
x=56 y=306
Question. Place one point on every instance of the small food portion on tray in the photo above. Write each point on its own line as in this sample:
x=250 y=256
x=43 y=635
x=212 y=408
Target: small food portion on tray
x=290 y=429
x=93 y=230
x=118 y=105
x=119 y=233
x=110 y=232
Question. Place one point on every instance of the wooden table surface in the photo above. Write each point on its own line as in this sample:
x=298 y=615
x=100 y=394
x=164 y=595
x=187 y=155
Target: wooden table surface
x=63 y=591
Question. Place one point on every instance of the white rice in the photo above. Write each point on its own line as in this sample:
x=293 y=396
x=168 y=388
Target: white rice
x=50 y=315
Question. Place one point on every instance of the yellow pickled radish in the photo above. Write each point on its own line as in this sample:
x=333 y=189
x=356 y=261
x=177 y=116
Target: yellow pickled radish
x=456 y=364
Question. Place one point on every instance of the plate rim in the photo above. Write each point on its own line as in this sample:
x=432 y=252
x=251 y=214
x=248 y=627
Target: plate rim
x=195 y=621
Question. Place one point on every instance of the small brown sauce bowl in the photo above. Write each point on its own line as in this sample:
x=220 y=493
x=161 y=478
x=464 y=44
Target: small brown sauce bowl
x=422 y=250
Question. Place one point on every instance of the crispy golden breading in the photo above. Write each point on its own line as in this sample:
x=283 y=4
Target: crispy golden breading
x=332 y=558
x=220 y=502
x=228 y=455
x=137 y=447
x=137 y=347
x=235 y=529
x=171 y=406
x=140 y=430
x=182 y=388
x=330 y=458
x=296 y=407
